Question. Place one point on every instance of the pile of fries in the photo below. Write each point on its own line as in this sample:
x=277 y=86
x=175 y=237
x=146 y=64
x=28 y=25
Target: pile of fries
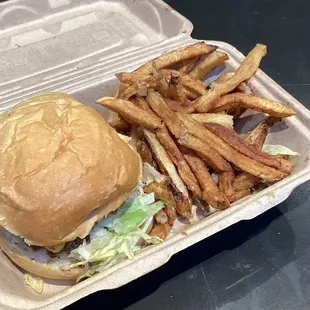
x=185 y=129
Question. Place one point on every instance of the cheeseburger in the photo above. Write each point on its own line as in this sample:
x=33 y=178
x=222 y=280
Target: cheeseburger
x=71 y=198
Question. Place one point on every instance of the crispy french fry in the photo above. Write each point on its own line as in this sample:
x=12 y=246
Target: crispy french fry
x=142 y=104
x=244 y=181
x=190 y=94
x=236 y=100
x=222 y=119
x=189 y=82
x=183 y=205
x=226 y=182
x=159 y=106
x=162 y=192
x=120 y=125
x=242 y=193
x=129 y=111
x=145 y=153
x=131 y=78
x=175 y=56
x=161 y=217
x=211 y=61
x=257 y=136
x=122 y=88
x=170 y=209
x=164 y=162
x=151 y=81
x=188 y=65
x=232 y=138
x=176 y=91
x=174 y=105
x=246 y=70
x=230 y=154
x=177 y=158
x=206 y=152
x=211 y=192
x=161 y=231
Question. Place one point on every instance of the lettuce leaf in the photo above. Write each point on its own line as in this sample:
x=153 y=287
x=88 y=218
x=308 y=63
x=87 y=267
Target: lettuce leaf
x=115 y=237
x=278 y=150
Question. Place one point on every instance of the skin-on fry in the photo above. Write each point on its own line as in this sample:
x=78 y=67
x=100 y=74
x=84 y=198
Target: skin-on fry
x=145 y=153
x=222 y=119
x=159 y=106
x=246 y=70
x=211 y=192
x=162 y=192
x=208 y=64
x=189 y=82
x=176 y=90
x=151 y=81
x=188 y=65
x=257 y=136
x=122 y=88
x=142 y=104
x=230 y=154
x=161 y=231
x=236 y=100
x=175 y=56
x=174 y=105
x=178 y=159
x=232 y=138
x=244 y=181
x=161 y=217
x=206 y=152
x=164 y=162
x=242 y=193
x=130 y=111
x=120 y=125
x=226 y=181
x=183 y=205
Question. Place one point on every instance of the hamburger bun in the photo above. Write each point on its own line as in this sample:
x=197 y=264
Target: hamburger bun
x=62 y=168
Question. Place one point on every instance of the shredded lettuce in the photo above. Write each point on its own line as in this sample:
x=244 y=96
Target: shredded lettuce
x=115 y=237
x=36 y=284
x=278 y=150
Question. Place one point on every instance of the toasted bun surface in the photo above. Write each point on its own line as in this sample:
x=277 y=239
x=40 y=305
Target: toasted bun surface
x=62 y=168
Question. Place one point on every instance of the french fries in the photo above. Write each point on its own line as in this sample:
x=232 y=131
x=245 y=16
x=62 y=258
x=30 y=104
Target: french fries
x=206 y=152
x=222 y=119
x=172 y=57
x=230 y=154
x=120 y=125
x=208 y=64
x=238 y=100
x=187 y=65
x=151 y=81
x=231 y=138
x=186 y=130
x=257 y=136
x=129 y=111
x=177 y=158
x=226 y=184
x=211 y=192
x=159 y=106
x=243 y=73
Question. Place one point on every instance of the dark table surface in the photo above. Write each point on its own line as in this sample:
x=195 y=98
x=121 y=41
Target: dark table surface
x=259 y=264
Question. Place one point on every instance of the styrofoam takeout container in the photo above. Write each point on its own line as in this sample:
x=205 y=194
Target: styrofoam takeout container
x=76 y=46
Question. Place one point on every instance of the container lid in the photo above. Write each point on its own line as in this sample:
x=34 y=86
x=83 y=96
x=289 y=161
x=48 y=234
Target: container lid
x=47 y=43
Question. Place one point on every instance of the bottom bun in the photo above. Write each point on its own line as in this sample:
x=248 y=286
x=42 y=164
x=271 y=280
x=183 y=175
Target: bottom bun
x=38 y=261
x=43 y=263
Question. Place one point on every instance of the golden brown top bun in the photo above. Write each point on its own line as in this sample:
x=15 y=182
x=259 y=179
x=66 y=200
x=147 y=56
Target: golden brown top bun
x=62 y=168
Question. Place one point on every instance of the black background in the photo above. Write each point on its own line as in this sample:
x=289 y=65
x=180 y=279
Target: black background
x=257 y=264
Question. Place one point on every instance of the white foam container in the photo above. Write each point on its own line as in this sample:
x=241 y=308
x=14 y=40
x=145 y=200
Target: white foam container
x=76 y=46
